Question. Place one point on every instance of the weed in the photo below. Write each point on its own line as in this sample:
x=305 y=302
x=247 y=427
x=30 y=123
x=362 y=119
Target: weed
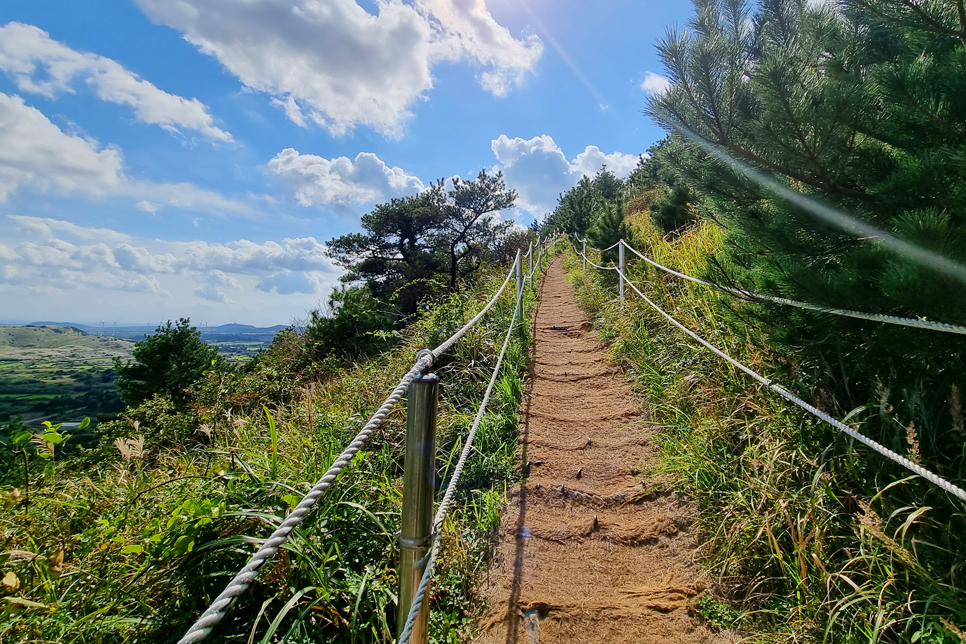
x=129 y=541
x=807 y=536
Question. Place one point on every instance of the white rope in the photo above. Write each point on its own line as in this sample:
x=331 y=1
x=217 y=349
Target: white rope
x=241 y=582
x=453 y=339
x=603 y=268
x=872 y=317
x=443 y=508
x=784 y=393
x=599 y=250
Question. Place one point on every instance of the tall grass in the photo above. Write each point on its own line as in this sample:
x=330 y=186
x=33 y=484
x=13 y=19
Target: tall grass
x=808 y=536
x=131 y=548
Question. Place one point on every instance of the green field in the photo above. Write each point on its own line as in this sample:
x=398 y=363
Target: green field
x=60 y=373
x=57 y=373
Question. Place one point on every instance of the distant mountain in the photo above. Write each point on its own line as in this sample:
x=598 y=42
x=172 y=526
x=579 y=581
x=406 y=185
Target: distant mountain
x=221 y=333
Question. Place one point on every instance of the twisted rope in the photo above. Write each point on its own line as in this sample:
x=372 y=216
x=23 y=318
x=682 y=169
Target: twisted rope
x=241 y=582
x=444 y=505
x=599 y=250
x=453 y=339
x=872 y=317
x=784 y=393
x=603 y=268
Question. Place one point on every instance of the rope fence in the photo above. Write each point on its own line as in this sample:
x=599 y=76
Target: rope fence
x=933 y=478
x=536 y=254
x=241 y=582
x=915 y=323
x=444 y=505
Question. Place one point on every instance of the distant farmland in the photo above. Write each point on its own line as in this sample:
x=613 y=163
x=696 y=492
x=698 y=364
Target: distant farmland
x=66 y=372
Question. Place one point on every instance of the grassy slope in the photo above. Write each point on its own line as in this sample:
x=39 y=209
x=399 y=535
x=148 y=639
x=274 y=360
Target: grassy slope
x=131 y=547
x=57 y=372
x=809 y=537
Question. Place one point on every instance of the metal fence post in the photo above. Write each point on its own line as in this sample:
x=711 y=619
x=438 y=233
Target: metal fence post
x=620 y=248
x=418 y=493
x=530 y=255
x=518 y=262
x=585 y=255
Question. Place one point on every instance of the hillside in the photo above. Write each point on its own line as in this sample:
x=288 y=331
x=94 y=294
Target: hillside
x=212 y=334
x=57 y=373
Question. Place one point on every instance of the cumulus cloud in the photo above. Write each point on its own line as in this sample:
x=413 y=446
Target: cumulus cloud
x=287 y=283
x=210 y=286
x=539 y=170
x=333 y=63
x=655 y=83
x=38 y=155
x=40 y=65
x=467 y=30
x=342 y=182
x=48 y=261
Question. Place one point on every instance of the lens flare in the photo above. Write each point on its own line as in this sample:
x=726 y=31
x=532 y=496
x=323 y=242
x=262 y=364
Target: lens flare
x=829 y=215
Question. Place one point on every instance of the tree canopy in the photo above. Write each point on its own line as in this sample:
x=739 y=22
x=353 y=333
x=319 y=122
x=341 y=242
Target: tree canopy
x=439 y=234
x=861 y=106
x=578 y=208
x=166 y=363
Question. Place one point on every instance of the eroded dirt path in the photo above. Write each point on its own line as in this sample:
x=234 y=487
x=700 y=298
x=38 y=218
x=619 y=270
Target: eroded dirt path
x=588 y=551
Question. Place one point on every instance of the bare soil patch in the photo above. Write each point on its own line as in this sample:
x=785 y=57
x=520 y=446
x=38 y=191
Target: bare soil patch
x=589 y=551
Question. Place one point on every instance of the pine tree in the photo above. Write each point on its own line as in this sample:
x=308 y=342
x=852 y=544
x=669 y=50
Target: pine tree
x=861 y=106
x=167 y=363
x=609 y=228
x=579 y=207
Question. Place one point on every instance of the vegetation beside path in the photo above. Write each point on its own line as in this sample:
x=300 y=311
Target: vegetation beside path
x=128 y=542
x=808 y=536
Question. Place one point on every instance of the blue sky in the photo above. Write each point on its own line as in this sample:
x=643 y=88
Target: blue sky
x=163 y=159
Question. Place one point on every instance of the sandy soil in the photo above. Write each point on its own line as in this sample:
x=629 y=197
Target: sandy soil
x=588 y=551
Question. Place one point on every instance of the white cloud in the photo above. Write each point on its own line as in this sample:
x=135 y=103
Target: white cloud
x=287 y=283
x=48 y=262
x=250 y=258
x=333 y=63
x=655 y=83
x=210 y=286
x=36 y=154
x=591 y=161
x=342 y=182
x=539 y=170
x=45 y=227
x=40 y=65
x=467 y=30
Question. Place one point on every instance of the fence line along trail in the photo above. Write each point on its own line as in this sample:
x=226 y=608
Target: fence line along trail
x=588 y=550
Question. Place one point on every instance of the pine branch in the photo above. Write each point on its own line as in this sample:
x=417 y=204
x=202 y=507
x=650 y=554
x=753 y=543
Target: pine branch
x=924 y=16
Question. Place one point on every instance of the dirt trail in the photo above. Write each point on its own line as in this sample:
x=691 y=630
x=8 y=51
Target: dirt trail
x=588 y=552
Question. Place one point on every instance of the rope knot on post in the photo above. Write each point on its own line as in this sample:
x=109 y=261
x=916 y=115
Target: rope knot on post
x=428 y=355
